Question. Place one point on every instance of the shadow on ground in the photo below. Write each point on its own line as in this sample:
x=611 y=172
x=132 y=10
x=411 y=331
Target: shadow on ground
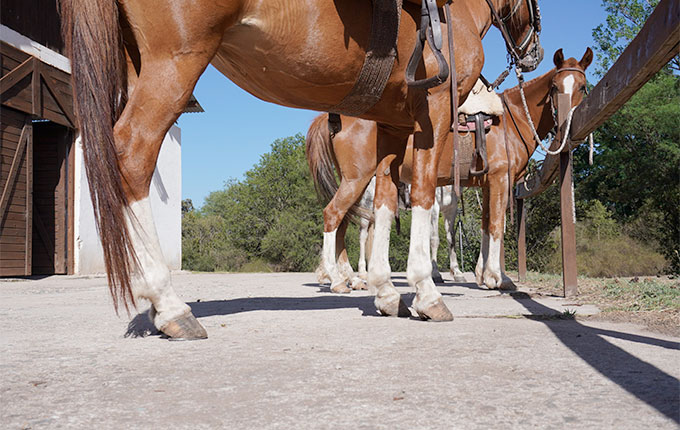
x=641 y=379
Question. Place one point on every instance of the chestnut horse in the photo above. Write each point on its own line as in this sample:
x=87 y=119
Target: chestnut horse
x=135 y=64
x=359 y=137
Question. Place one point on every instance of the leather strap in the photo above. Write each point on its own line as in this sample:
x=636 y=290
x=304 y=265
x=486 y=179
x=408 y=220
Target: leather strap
x=430 y=31
x=454 y=100
x=378 y=62
x=480 y=148
x=511 y=195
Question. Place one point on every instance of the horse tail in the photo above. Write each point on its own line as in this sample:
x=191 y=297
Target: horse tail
x=321 y=159
x=323 y=164
x=92 y=35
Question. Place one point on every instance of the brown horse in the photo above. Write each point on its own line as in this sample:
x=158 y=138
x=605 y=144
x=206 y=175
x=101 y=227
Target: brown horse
x=135 y=65
x=359 y=137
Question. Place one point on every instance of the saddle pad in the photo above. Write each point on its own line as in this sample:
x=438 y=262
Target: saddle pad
x=470 y=126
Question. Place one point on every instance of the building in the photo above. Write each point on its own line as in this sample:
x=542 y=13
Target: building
x=46 y=217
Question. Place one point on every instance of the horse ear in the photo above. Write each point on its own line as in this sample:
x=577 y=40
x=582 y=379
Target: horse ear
x=587 y=59
x=558 y=58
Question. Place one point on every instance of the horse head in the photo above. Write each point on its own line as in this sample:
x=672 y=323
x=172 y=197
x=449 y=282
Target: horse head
x=570 y=77
x=520 y=24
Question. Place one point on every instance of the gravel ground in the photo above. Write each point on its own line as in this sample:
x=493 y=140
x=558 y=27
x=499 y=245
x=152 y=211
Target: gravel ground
x=285 y=353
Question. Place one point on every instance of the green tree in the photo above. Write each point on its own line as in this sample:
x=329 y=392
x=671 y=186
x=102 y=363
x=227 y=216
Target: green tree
x=624 y=20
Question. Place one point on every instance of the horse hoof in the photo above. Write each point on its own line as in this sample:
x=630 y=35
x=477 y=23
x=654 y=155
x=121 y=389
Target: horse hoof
x=459 y=278
x=340 y=289
x=184 y=327
x=393 y=308
x=358 y=284
x=508 y=285
x=436 y=312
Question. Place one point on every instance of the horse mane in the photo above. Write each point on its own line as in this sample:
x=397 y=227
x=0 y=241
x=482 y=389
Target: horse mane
x=93 y=40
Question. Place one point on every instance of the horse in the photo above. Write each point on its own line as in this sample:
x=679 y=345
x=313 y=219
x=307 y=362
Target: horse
x=507 y=164
x=344 y=268
x=134 y=66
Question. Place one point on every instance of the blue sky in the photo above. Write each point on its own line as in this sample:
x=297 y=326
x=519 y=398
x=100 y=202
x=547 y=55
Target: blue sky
x=237 y=128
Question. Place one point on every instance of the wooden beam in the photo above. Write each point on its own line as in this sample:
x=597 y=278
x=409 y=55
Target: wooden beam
x=13 y=170
x=28 y=262
x=567 y=215
x=655 y=45
x=16 y=75
x=521 y=241
x=52 y=88
x=36 y=89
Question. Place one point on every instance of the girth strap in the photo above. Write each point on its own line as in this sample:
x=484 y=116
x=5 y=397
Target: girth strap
x=453 y=101
x=378 y=62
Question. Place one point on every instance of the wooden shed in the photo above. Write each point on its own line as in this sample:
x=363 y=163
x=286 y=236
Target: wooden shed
x=36 y=141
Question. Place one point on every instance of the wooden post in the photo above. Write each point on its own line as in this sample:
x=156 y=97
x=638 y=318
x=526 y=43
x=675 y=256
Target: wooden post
x=567 y=202
x=521 y=241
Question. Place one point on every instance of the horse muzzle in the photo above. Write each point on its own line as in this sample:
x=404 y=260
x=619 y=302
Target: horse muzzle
x=530 y=62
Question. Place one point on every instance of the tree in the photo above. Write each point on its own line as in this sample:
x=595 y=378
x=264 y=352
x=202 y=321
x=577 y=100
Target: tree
x=625 y=19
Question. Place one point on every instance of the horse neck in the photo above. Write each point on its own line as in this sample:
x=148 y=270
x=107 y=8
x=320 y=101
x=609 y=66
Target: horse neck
x=537 y=93
x=484 y=18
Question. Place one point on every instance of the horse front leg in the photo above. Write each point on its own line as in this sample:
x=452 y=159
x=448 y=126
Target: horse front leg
x=434 y=241
x=484 y=246
x=449 y=209
x=390 y=156
x=428 y=302
x=497 y=201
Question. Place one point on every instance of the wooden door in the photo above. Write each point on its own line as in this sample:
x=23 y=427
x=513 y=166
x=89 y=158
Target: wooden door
x=16 y=186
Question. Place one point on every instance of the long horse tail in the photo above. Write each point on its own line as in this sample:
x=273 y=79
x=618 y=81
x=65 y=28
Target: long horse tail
x=323 y=164
x=321 y=159
x=91 y=31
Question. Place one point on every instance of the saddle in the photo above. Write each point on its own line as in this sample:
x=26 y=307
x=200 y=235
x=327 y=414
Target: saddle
x=475 y=117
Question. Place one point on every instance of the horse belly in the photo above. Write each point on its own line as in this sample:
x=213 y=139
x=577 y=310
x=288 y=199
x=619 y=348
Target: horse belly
x=294 y=55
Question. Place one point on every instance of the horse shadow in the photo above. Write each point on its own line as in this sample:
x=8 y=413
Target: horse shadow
x=641 y=379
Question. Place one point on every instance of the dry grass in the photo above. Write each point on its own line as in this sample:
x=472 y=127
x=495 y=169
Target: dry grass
x=650 y=301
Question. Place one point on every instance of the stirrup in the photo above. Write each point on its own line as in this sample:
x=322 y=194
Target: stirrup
x=430 y=30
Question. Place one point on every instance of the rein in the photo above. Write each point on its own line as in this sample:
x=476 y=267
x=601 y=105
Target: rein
x=513 y=47
x=520 y=79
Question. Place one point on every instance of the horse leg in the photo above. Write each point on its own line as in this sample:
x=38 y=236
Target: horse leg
x=450 y=211
x=168 y=74
x=390 y=155
x=484 y=247
x=428 y=302
x=363 y=238
x=434 y=242
x=333 y=216
x=497 y=203
x=346 y=270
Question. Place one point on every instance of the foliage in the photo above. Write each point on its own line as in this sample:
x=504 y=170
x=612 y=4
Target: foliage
x=272 y=215
x=637 y=167
x=625 y=19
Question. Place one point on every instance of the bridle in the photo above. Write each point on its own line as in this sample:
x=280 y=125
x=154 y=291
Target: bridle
x=530 y=60
x=553 y=87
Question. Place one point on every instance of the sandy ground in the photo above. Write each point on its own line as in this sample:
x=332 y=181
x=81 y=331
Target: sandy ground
x=285 y=353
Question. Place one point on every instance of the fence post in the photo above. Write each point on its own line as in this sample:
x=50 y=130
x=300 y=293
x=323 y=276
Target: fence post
x=567 y=213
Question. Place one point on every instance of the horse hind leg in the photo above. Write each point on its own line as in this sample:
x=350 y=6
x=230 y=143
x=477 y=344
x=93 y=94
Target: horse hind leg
x=434 y=242
x=159 y=96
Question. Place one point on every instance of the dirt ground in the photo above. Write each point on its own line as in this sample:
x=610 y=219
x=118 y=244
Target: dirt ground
x=285 y=353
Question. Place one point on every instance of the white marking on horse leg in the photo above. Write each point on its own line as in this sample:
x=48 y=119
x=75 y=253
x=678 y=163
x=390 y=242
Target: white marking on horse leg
x=419 y=267
x=363 y=237
x=379 y=270
x=492 y=268
x=153 y=283
x=329 y=261
x=434 y=242
x=481 y=261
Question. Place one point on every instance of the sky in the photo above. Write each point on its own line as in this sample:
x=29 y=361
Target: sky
x=237 y=128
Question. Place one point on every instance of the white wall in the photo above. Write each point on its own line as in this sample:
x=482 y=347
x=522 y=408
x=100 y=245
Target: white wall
x=166 y=204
